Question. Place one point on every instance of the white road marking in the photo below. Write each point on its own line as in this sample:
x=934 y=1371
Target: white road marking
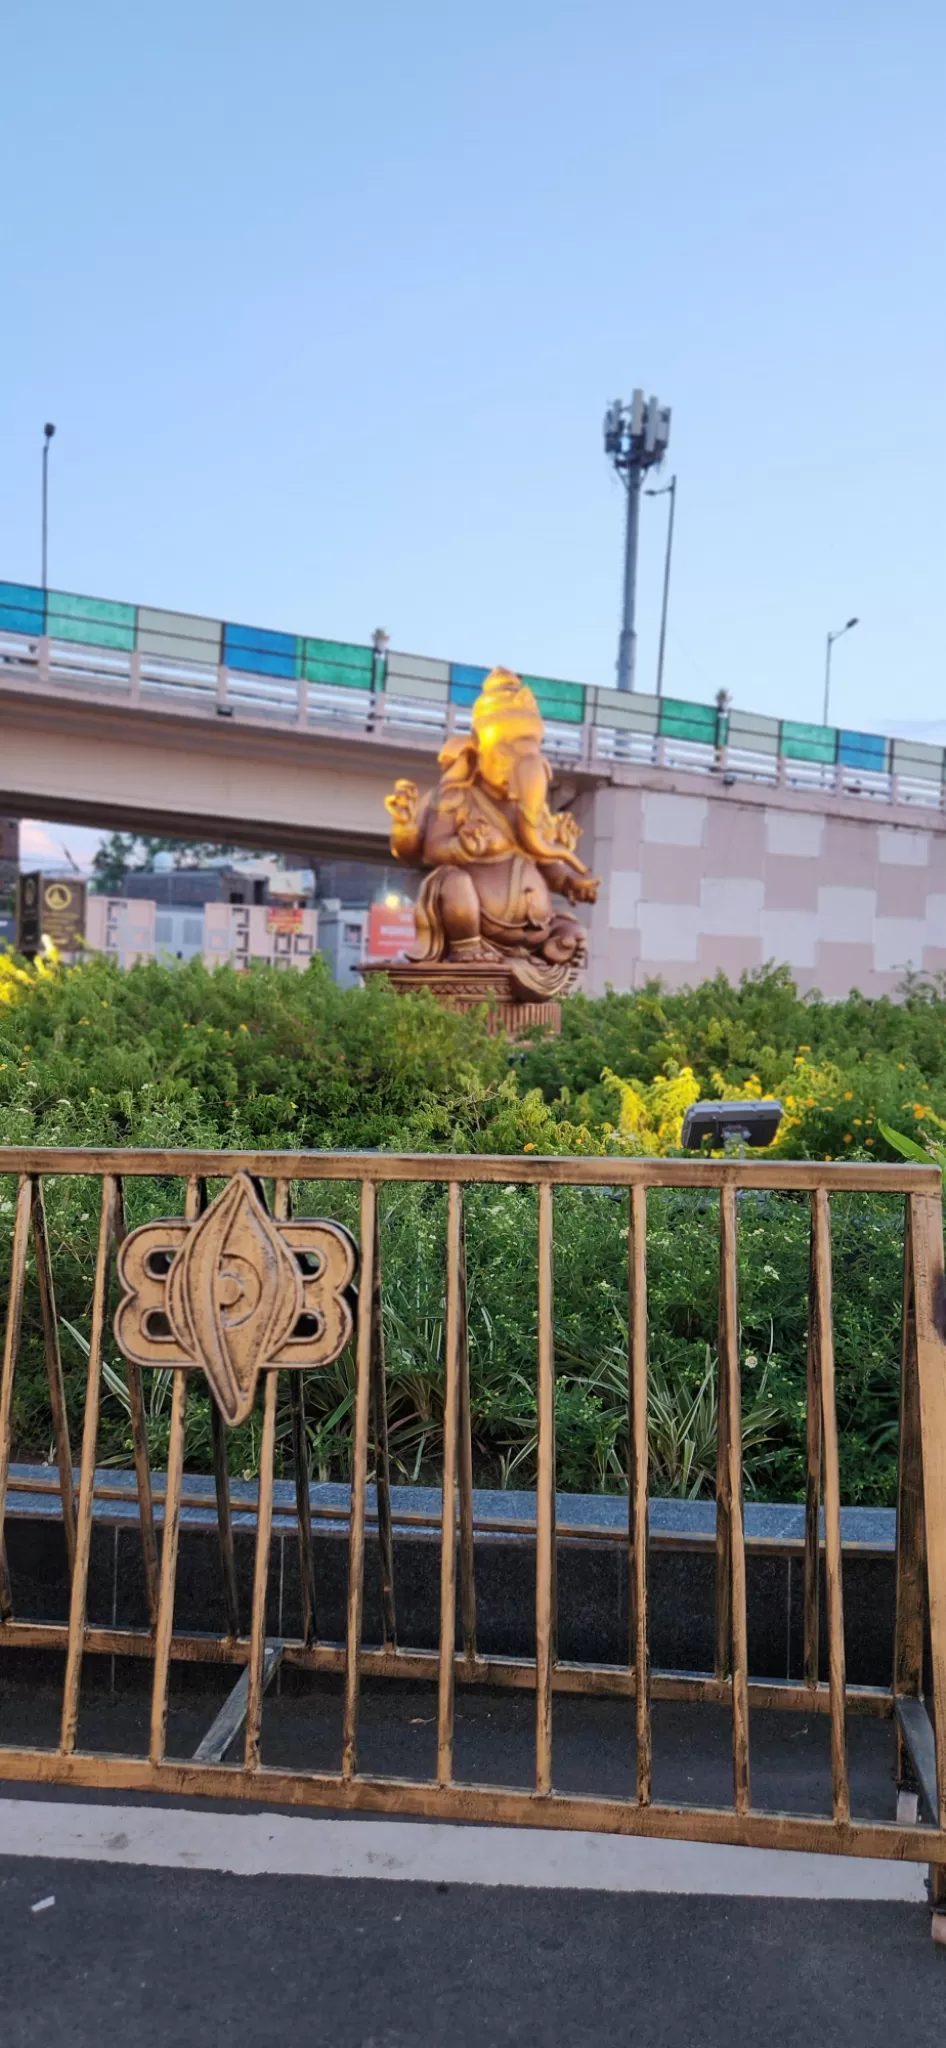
x=254 y=1845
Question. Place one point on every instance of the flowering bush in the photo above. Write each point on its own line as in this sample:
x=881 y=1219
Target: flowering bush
x=174 y=1057
x=19 y=976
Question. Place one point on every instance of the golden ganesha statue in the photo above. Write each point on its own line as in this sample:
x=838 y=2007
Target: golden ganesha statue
x=497 y=853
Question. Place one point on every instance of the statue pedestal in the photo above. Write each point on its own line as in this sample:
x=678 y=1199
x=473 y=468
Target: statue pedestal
x=462 y=984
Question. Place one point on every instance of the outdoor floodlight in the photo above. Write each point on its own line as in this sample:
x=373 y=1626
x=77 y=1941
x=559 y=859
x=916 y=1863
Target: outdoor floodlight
x=728 y=1124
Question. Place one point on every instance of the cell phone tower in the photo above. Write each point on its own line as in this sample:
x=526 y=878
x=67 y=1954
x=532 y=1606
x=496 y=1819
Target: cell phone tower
x=636 y=437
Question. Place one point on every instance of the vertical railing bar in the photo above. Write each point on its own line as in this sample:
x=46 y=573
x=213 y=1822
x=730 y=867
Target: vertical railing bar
x=359 y=1465
x=729 y=1372
x=381 y=1451
x=90 y=1427
x=11 y=1346
x=930 y=1305
x=911 y=1554
x=195 y=1202
x=57 y=1391
x=139 y=1439
x=382 y=1454
x=164 y=1626
x=723 y=1519
x=219 y=1452
x=834 y=1596
x=300 y=1472
x=448 y=1528
x=637 y=1491
x=282 y=1210
x=467 y=1553
x=812 y=1562
x=264 y=1530
x=545 y=1502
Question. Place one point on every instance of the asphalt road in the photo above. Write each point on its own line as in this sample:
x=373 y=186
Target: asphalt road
x=202 y=1956
x=157 y=1957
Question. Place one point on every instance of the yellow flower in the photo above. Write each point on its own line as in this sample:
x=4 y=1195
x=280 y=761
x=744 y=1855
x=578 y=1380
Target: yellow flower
x=804 y=1048
x=868 y=1141
x=848 y=1140
x=858 y=1120
x=918 y=1110
x=528 y=1148
x=848 y=1094
x=652 y=1112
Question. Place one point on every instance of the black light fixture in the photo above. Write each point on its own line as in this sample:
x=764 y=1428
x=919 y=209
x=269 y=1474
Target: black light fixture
x=731 y=1125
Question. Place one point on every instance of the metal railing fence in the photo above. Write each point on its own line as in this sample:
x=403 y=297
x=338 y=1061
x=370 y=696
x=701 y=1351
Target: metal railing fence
x=245 y=1247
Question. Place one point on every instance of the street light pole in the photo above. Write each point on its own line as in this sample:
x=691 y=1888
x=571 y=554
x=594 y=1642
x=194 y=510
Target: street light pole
x=832 y=637
x=666 y=490
x=48 y=432
x=635 y=438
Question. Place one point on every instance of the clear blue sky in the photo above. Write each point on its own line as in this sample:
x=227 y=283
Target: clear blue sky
x=326 y=302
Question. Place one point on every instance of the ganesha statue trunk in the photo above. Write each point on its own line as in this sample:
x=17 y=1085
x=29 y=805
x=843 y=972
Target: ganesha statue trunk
x=496 y=857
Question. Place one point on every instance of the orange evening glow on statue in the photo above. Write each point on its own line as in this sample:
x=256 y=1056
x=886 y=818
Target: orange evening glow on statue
x=497 y=853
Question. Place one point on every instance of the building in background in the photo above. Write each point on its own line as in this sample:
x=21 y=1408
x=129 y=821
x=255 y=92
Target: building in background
x=342 y=934
x=267 y=933
x=359 y=883
x=121 y=927
x=133 y=929
x=9 y=871
x=219 y=881
x=9 y=857
x=236 y=911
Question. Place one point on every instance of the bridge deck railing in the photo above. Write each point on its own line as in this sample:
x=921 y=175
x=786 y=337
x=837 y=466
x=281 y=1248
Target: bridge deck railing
x=611 y=732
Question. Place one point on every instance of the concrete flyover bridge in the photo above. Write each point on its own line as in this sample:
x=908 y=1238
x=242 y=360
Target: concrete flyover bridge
x=173 y=728
x=725 y=838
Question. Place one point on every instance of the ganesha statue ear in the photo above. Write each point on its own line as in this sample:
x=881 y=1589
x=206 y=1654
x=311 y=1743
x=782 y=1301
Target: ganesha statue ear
x=458 y=754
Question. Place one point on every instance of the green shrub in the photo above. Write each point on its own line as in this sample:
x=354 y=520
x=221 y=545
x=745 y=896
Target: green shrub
x=179 y=1057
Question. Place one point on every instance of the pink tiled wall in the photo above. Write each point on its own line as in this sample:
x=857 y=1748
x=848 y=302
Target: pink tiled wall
x=698 y=880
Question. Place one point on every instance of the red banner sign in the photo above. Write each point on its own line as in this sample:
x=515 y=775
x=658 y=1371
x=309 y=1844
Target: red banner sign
x=389 y=931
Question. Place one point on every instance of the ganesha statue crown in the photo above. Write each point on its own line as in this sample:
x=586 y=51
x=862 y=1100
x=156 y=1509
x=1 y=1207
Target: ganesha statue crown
x=496 y=854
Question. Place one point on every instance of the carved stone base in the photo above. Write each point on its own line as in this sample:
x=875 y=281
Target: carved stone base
x=463 y=984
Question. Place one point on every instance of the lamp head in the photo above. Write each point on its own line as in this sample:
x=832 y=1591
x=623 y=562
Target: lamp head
x=727 y=1124
x=49 y=430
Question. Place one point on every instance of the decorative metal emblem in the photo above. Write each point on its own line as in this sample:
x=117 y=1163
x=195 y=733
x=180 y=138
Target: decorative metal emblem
x=235 y=1293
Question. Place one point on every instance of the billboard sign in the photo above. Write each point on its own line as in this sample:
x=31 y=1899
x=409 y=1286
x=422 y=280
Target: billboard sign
x=50 y=907
x=390 y=932
x=289 y=918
